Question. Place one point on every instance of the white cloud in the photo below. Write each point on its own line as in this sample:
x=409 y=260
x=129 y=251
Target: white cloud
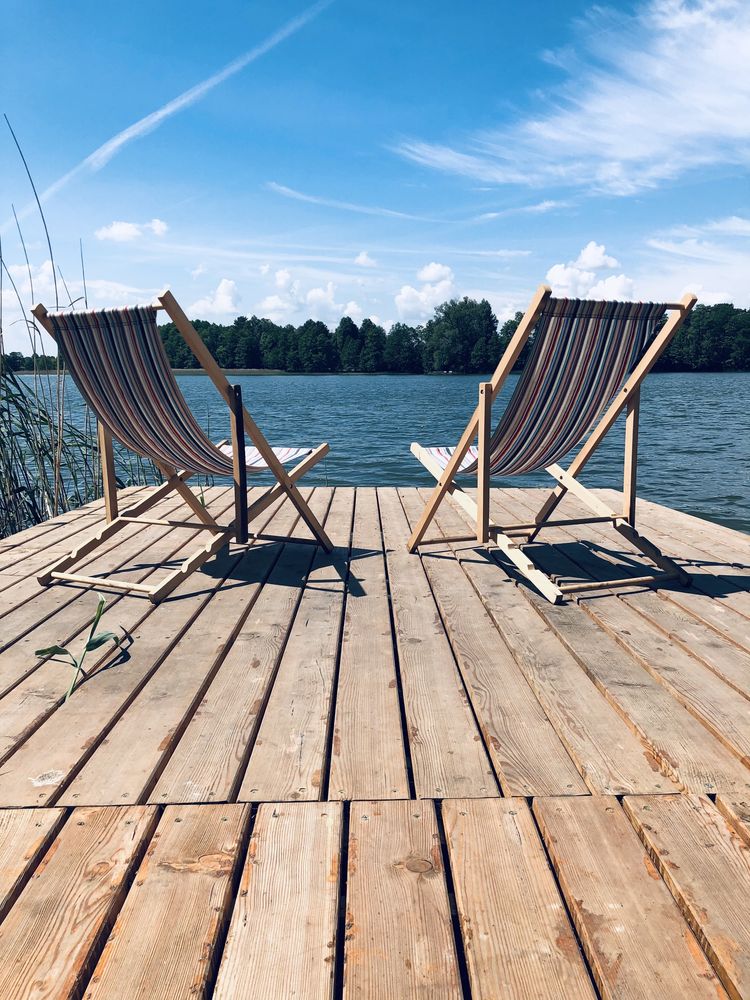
x=198 y=271
x=321 y=303
x=119 y=232
x=418 y=303
x=125 y=232
x=569 y=281
x=363 y=259
x=282 y=278
x=276 y=308
x=616 y=286
x=264 y=269
x=435 y=272
x=578 y=279
x=223 y=301
x=594 y=256
x=630 y=117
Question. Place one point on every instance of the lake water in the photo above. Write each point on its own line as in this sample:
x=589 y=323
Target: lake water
x=694 y=439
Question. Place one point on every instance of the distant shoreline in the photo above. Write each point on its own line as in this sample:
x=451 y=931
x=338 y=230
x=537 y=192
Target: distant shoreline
x=279 y=371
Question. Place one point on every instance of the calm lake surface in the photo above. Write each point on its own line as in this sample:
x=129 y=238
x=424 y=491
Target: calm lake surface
x=694 y=439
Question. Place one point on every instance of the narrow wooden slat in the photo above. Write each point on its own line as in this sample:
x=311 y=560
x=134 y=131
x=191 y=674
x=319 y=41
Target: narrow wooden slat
x=609 y=756
x=737 y=812
x=60 y=737
x=707 y=868
x=281 y=939
x=24 y=837
x=635 y=939
x=399 y=940
x=662 y=608
x=122 y=769
x=721 y=709
x=517 y=937
x=685 y=748
x=527 y=753
x=34 y=604
x=52 y=933
x=288 y=759
x=368 y=759
x=163 y=945
x=204 y=765
x=447 y=754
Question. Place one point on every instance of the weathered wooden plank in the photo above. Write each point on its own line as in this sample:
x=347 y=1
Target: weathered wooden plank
x=281 y=939
x=59 y=737
x=289 y=755
x=722 y=710
x=164 y=942
x=51 y=936
x=124 y=767
x=707 y=868
x=368 y=760
x=634 y=937
x=28 y=605
x=55 y=525
x=684 y=747
x=528 y=755
x=518 y=941
x=399 y=940
x=717 y=573
x=24 y=837
x=610 y=757
x=736 y=811
x=447 y=753
x=63 y=612
x=704 y=631
x=212 y=752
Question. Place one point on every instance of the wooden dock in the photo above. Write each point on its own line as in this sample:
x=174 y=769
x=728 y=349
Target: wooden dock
x=376 y=775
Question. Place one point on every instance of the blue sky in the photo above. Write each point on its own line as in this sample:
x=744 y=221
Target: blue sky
x=376 y=157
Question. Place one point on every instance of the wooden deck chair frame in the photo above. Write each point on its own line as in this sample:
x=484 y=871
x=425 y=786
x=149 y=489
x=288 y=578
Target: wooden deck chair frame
x=511 y=538
x=242 y=424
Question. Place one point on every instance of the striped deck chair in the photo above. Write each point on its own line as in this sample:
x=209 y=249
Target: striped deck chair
x=585 y=365
x=119 y=364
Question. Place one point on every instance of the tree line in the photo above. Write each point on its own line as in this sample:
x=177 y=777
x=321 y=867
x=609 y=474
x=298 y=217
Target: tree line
x=462 y=336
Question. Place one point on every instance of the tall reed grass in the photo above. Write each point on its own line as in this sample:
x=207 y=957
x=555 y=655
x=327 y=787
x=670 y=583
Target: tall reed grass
x=49 y=462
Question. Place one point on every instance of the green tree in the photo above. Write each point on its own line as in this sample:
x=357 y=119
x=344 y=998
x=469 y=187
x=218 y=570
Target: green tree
x=373 y=347
x=403 y=349
x=317 y=348
x=462 y=337
x=348 y=341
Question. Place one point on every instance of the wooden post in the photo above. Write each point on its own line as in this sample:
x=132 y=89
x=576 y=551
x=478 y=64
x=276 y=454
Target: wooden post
x=630 y=473
x=483 y=466
x=109 y=481
x=239 y=468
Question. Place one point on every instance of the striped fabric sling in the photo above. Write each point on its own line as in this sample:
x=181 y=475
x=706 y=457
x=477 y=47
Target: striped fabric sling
x=119 y=364
x=580 y=356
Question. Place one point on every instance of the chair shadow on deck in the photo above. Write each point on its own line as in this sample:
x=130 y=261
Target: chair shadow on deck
x=614 y=566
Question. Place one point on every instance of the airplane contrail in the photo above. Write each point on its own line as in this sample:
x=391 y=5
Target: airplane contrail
x=104 y=153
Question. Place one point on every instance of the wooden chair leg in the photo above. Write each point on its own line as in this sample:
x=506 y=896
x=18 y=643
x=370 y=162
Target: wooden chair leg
x=109 y=480
x=239 y=468
x=483 y=468
x=630 y=473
